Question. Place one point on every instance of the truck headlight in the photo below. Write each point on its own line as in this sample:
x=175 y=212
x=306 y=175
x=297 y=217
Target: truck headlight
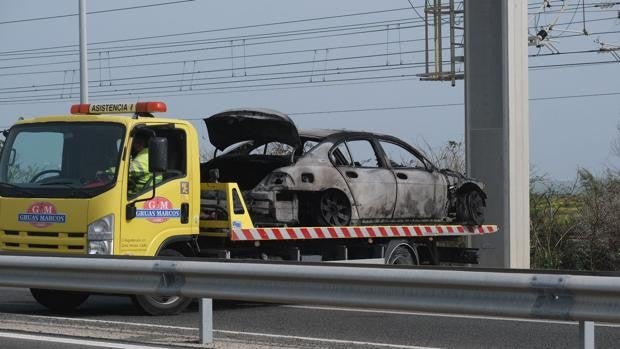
x=100 y=235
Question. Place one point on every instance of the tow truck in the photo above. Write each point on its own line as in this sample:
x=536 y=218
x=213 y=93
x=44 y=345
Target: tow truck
x=65 y=188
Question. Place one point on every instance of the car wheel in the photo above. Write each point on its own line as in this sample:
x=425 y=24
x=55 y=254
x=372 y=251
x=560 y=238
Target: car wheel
x=334 y=209
x=59 y=301
x=470 y=208
x=162 y=305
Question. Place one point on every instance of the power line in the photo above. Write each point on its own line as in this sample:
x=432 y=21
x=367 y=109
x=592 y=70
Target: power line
x=92 y=12
x=177 y=43
x=318 y=72
x=196 y=81
x=220 y=40
x=442 y=105
x=357 y=110
x=268 y=54
x=180 y=84
x=174 y=89
x=570 y=65
x=39 y=86
x=251 y=26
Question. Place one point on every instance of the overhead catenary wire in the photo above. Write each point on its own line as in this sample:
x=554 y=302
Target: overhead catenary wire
x=135 y=80
x=174 y=89
x=22 y=20
x=231 y=28
x=160 y=79
x=251 y=26
x=440 y=105
x=246 y=78
x=40 y=87
x=219 y=41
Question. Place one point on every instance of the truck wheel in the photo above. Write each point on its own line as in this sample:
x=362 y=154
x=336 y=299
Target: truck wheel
x=59 y=301
x=162 y=305
x=401 y=256
x=334 y=209
x=470 y=208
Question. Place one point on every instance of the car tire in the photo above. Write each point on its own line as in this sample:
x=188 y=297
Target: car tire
x=59 y=301
x=155 y=305
x=333 y=209
x=470 y=207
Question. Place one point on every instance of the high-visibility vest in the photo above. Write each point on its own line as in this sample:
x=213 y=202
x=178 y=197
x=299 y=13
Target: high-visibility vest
x=139 y=175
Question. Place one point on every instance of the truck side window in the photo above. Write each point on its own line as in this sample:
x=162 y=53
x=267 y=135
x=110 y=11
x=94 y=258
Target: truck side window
x=140 y=179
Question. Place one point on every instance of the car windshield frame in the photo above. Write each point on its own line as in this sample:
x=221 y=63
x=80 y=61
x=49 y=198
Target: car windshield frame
x=61 y=159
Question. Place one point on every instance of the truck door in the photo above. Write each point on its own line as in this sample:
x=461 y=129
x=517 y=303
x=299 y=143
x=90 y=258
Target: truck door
x=372 y=185
x=167 y=215
x=414 y=181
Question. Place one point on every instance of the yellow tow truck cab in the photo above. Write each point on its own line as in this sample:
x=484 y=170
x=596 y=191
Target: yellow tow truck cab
x=67 y=184
x=98 y=183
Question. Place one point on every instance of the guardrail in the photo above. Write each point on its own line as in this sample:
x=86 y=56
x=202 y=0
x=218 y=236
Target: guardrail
x=574 y=297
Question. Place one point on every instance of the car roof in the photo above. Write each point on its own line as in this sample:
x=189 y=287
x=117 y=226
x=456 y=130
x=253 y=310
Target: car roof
x=337 y=133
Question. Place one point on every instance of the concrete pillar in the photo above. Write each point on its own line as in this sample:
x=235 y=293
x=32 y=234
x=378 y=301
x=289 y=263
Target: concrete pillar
x=496 y=124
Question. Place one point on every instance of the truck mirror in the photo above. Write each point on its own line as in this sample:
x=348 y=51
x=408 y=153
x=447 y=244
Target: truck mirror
x=158 y=154
x=12 y=156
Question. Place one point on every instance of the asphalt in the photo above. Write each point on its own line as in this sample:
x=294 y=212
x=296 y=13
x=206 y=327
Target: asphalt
x=251 y=325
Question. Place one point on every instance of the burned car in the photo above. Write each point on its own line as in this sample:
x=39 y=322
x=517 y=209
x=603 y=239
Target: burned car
x=334 y=177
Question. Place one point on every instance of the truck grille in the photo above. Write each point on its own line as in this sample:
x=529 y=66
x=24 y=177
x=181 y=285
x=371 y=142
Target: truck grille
x=38 y=241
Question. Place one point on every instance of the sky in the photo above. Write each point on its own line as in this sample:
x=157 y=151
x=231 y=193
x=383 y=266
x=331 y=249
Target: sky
x=341 y=64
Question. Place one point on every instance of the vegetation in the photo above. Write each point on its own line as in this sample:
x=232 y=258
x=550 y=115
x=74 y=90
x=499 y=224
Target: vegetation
x=578 y=228
x=574 y=226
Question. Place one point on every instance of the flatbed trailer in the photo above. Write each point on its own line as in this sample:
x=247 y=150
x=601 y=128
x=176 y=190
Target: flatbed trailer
x=227 y=231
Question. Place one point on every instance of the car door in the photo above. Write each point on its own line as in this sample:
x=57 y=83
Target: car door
x=372 y=185
x=415 y=183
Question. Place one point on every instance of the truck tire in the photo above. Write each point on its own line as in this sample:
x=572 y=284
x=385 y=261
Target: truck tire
x=470 y=208
x=155 y=305
x=399 y=252
x=59 y=301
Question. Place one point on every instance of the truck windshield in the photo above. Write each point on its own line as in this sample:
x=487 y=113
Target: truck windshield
x=60 y=159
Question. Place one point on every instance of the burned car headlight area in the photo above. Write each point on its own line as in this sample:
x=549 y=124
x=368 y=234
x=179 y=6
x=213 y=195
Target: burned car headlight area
x=334 y=177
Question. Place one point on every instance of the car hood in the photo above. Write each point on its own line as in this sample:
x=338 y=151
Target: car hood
x=259 y=125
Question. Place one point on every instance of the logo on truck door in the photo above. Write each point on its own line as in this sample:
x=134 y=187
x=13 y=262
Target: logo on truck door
x=41 y=215
x=158 y=210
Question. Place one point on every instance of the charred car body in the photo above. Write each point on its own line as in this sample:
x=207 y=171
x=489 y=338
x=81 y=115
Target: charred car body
x=334 y=177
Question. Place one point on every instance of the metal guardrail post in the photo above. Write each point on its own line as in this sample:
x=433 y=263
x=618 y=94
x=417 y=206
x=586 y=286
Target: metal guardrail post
x=206 y=321
x=586 y=334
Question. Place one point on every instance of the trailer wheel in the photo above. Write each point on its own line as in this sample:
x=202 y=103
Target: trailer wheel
x=334 y=209
x=470 y=208
x=162 y=305
x=401 y=256
x=59 y=301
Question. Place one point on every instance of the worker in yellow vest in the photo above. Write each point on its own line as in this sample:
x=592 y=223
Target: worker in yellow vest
x=139 y=176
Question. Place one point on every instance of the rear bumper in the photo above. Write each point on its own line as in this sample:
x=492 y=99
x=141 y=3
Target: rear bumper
x=273 y=207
